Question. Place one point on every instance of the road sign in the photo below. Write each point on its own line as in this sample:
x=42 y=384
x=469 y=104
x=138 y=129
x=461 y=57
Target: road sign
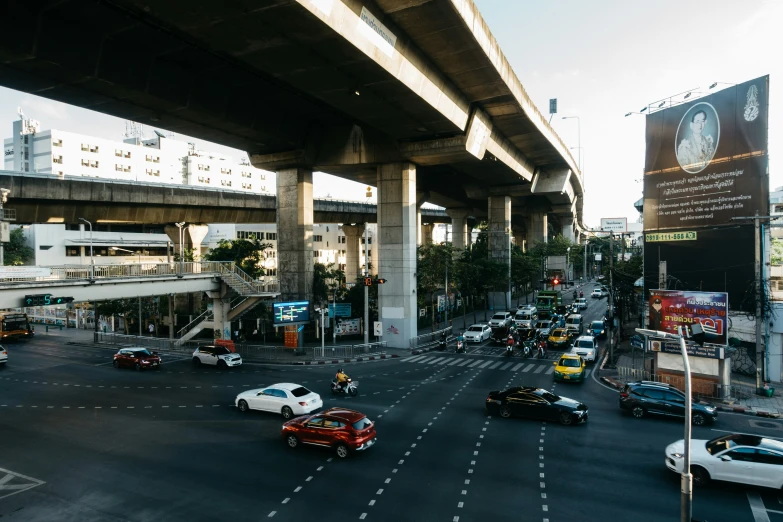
x=340 y=310
x=291 y=313
x=377 y=327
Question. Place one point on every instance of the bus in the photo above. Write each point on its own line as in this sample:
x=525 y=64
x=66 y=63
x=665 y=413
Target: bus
x=546 y=302
x=14 y=325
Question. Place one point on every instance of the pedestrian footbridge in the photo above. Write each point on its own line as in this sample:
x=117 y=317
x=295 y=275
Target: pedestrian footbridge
x=232 y=290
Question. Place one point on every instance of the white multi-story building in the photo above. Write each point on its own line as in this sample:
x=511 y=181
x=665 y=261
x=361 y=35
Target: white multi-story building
x=160 y=159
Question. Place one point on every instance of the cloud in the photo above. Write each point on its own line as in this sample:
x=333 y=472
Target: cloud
x=37 y=107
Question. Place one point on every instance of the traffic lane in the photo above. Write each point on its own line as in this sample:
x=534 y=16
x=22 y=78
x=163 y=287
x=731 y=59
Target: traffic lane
x=136 y=470
x=501 y=482
x=366 y=473
x=615 y=449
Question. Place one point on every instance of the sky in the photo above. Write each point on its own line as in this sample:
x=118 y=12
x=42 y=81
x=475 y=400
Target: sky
x=601 y=59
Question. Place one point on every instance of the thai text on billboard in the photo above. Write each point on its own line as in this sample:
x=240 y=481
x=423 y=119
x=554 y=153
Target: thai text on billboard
x=614 y=224
x=671 y=309
x=706 y=160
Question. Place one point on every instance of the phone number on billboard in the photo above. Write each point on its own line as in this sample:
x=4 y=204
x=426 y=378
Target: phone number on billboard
x=671 y=236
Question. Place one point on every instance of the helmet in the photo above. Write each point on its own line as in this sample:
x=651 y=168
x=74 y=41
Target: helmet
x=340 y=370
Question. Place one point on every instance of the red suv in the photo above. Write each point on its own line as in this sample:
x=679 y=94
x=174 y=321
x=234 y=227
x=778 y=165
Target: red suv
x=137 y=358
x=343 y=430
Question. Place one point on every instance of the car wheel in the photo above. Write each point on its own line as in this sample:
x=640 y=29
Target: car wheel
x=700 y=475
x=137 y=367
x=196 y=361
x=342 y=451
x=638 y=412
x=698 y=419
x=243 y=407
x=222 y=365
x=116 y=364
x=566 y=419
x=505 y=412
x=287 y=412
x=292 y=441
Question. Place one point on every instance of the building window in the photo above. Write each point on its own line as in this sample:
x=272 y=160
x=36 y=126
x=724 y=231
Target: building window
x=271 y=271
x=247 y=174
x=205 y=168
x=341 y=240
x=244 y=234
x=271 y=254
x=225 y=171
x=151 y=172
x=72 y=251
x=153 y=159
x=247 y=185
x=225 y=182
x=369 y=240
x=271 y=236
x=118 y=167
x=57 y=143
x=318 y=239
x=343 y=252
x=86 y=147
x=58 y=160
x=316 y=253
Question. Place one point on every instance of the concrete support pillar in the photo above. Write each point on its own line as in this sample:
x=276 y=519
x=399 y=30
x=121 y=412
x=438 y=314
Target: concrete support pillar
x=397 y=252
x=499 y=238
x=459 y=228
x=518 y=235
x=537 y=227
x=568 y=232
x=426 y=233
x=295 y=233
x=354 y=240
x=468 y=233
x=221 y=305
x=418 y=227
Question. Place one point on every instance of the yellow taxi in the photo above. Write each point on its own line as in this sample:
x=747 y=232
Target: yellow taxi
x=570 y=367
x=559 y=338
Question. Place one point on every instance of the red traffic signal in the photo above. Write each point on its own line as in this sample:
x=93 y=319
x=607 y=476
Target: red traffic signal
x=368 y=281
x=555 y=281
x=380 y=281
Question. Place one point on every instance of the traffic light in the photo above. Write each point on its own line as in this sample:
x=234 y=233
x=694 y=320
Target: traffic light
x=368 y=281
x=555 y=281
x=37 y=300
x=380 y=281
x=61 y=300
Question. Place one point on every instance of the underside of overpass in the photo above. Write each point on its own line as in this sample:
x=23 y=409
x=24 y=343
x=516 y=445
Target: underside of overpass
x=413 y=97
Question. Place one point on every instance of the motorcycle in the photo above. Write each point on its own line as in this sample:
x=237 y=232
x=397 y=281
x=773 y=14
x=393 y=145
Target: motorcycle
x=460 y=347
x=541 y=349
x=442 y=345
x=527 y=349
x=510 y=349
x=351 y=387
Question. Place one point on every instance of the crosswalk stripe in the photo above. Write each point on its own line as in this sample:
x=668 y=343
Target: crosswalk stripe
x=550 y=370
x=455 y=361
x=515 y=368
x=427 y=359
x=414 y=359
x=466 y=361
x=495 y=365
x=443 y=361
x=485 y=364
x=541 y=368
x=476 y=363
x=529 y=367
x=506 y=366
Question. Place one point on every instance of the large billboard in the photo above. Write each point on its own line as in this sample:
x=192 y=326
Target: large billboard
x=614 y=224
x=706 y=161
x=670 y=309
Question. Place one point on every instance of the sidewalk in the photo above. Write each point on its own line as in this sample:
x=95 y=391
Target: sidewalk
x=752 y=405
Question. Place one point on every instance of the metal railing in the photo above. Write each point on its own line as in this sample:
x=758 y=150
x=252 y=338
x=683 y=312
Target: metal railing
x=430 y=338
x=348 y=351
x=203 y=316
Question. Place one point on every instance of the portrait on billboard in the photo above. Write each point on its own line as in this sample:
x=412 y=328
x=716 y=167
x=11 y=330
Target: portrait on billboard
x=697 y=137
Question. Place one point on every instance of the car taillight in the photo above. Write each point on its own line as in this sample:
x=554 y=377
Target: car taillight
x=624 y=395
x=302 y=403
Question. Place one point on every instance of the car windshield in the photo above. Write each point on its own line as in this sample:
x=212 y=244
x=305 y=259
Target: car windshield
x=547 y=396
x=220 y=350
x=474 y=329
x=729 y=441
x=569 y=363
x=598 y=325
x=584 y=344
x=558 y=333
x=300 y=391
x=362 y=424
x=499 y=316
x=141 y=353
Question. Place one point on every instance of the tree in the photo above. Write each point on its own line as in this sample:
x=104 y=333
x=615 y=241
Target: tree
x=433 y=262
x=246 y=253
x=327 y=279
x=16 y=252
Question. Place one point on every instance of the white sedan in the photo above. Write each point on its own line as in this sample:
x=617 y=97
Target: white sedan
x=746 y=459
x=477 y=333
x=285 y=398
x=581 y=303
x=585 y=348
x=3 y=355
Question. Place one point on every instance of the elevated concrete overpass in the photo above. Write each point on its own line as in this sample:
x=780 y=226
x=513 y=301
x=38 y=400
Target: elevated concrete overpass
x=413 y=97
x=44 y=198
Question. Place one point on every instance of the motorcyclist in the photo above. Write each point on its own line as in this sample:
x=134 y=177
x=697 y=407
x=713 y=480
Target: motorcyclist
x=542 y=348
x=460 y=341
x=581 y=294
x=574 y=294
x=342 y=379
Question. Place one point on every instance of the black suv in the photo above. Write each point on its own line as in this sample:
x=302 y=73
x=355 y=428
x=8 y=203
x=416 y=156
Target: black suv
x=641 y=398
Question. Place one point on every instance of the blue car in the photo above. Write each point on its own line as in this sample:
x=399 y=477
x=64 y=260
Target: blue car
x=598 y=329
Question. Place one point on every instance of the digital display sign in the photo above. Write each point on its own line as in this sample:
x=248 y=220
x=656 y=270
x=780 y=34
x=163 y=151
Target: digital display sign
x=294 y=312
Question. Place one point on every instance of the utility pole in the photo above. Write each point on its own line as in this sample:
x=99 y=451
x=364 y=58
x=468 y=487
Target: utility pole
x=759 y=275
x=584 y=268
x=611 y=299
x=366 y=291
x=446 y=307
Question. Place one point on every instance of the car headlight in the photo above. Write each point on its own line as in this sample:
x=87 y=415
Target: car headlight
x=558 y=373
x=676 y=455
x=710 y=409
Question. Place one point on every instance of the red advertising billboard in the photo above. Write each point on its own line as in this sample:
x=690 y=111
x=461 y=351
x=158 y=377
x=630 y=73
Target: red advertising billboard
x=671 y=309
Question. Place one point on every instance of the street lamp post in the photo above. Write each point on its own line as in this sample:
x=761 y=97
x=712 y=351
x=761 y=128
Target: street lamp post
x=92 y=264
x=686 y=479
x=581 y=165
x=568 y=255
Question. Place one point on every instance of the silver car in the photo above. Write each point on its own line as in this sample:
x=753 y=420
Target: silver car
x=477 y=333
x=219 y=356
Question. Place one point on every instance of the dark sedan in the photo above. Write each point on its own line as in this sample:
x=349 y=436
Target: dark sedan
x=137 y=358
x=535 y=403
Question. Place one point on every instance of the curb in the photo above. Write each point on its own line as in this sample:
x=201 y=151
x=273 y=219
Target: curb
x=339 y=361
x=611 y=382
